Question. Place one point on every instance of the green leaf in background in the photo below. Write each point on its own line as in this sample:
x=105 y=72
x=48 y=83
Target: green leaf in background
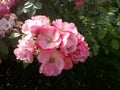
x=101 y=34
x=31 y=1
x=3 y=49
x=20 y=9
x=115 y=44
x=28 y=5
x=31 y=11
x=37 y=5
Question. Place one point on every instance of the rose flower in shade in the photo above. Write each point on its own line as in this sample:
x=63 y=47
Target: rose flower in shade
x=79 y=3
x=52 y=62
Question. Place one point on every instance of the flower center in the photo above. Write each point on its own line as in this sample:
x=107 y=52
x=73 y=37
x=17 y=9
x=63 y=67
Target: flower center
x=51 y=60
x=49 y=39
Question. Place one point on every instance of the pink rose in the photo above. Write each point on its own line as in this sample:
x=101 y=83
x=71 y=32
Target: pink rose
x=48 y=38
x=81 y=53
x=70 y=46
x=65 y=26
x=25 y=50
x=24 y=55
x=30 y=26
x=52 y=62
x=68 y=63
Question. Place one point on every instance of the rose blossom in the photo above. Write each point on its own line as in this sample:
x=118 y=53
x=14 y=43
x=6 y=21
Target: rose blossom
x=48 y=38
x=70 y=46
x=25 y=50
x=67 y=34
x=65 y=26
x=68 y=63
x=82 y=51
x=52 y=62
x=36 y=21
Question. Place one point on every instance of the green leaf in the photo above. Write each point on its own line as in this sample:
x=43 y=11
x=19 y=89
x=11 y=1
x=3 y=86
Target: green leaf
x=20 y=10
x=37 y=5
x=14 y=35
x=25 y=64
x=31 y=12
x=115 y=44
x=31 y=1
x=101 y=34
x=28 y=5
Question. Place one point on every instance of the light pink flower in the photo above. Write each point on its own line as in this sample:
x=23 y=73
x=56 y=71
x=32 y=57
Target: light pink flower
x=37 y=21
x=67 y=34
x=4 y=24
x=71 y=43
x=48 y=38
x=24 y=55
x=68 y=63
x=52 y=62
x=3 y=9
x=25 y=50
x=65 y=26
x=82 y=51
x=43 y=19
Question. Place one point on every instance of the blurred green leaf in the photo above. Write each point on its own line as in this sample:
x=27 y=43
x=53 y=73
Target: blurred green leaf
x=37 y=5
x=20 y=10
x=115 y=44
x=102 y=33
x=31 y=11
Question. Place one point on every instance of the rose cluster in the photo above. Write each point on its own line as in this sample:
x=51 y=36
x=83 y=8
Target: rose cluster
x=57 y=44
x=5 y=6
